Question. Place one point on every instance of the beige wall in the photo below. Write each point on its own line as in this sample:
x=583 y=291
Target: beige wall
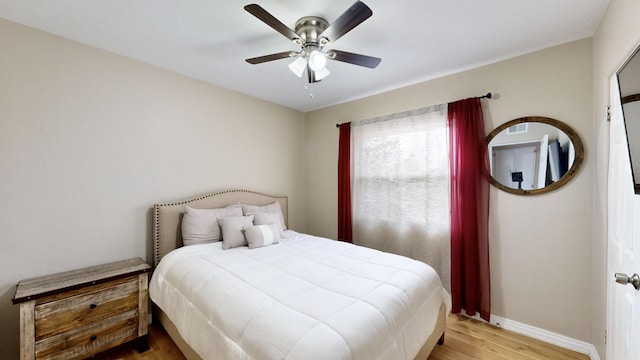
x=89 y=141
x=539 y=245
x=618 y=34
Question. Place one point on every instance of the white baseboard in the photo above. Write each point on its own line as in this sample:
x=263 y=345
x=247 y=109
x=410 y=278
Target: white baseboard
x=544 y=335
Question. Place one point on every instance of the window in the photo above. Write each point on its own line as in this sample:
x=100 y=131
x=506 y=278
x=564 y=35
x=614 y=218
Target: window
x=401 y=184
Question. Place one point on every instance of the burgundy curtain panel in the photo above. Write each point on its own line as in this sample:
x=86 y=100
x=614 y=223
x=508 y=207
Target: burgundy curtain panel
x=344 y=183
x=469 y=171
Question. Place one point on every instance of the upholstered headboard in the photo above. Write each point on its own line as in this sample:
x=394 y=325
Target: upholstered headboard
x=167 y=234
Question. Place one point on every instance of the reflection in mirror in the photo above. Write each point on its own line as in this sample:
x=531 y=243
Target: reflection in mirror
x=532 y=155
x=629 y=82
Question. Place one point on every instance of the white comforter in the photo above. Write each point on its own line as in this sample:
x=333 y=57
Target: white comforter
x=305 y=298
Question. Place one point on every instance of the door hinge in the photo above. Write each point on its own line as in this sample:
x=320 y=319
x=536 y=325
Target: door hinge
x=608 y=113
x=605 y=336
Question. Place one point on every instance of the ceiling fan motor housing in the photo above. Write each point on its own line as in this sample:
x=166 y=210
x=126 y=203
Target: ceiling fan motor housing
x=309 y=29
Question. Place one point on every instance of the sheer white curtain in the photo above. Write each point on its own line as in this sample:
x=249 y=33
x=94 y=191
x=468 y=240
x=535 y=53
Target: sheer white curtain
x=400 y=190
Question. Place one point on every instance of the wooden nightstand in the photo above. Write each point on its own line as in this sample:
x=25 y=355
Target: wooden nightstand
x=78 y=313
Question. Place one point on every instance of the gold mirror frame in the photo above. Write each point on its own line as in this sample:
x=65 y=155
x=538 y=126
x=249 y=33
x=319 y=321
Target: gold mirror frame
x=573 y=136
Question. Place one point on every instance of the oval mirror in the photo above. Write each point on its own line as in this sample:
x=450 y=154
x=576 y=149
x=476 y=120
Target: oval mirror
x=533 y=155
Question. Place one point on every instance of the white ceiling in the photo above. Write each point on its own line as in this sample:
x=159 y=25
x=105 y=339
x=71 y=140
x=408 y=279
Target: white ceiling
x=417 y=40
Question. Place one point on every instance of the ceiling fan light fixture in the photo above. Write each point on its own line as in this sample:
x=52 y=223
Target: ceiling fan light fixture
x=317 y=60
x=322 y=73
x=298 y=66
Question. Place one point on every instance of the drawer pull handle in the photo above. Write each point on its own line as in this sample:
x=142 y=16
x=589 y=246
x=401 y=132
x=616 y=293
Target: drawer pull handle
x=93 y=306
x=93 y=337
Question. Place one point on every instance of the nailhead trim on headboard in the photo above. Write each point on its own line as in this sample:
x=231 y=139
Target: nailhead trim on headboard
x=163 y=246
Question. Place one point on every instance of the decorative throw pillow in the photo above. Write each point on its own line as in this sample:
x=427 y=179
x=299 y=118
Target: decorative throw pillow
x=200 y=226
x=268 y=218
x=273 y=207
x=232 y=235
x=261 y=235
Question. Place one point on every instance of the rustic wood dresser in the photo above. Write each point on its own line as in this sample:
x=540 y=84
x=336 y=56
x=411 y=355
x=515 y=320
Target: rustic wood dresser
x=78 y=313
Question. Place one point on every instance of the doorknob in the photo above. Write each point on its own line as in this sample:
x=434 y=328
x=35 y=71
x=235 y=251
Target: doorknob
x=625 y=279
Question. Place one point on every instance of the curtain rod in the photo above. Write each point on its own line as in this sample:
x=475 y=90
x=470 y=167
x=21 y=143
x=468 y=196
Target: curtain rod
x=485 y=96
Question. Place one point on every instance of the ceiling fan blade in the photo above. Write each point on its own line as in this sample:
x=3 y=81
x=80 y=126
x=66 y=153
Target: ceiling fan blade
x=271 y=57
x=356 y=59
x=356 y=14
x=262 y=14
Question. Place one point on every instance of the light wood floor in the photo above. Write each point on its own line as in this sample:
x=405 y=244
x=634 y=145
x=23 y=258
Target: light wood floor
x=465 y=339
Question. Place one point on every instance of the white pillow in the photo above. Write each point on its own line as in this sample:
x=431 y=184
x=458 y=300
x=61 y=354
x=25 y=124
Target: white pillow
x=273 y=207
x=200 y=226
x=267 y=218
x=232 y=235
x=261 y=235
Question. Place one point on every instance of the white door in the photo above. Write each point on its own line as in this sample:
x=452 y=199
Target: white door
x=520 y=158
x=623 y=301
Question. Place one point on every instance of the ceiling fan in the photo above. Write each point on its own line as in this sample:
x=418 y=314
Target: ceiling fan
x=312 y=34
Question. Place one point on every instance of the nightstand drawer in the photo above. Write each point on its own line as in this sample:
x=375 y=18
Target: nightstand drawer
x=98 y=303
x=81 y=342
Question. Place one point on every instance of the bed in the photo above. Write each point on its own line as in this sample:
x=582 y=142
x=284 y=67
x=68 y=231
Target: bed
x=302 y=297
